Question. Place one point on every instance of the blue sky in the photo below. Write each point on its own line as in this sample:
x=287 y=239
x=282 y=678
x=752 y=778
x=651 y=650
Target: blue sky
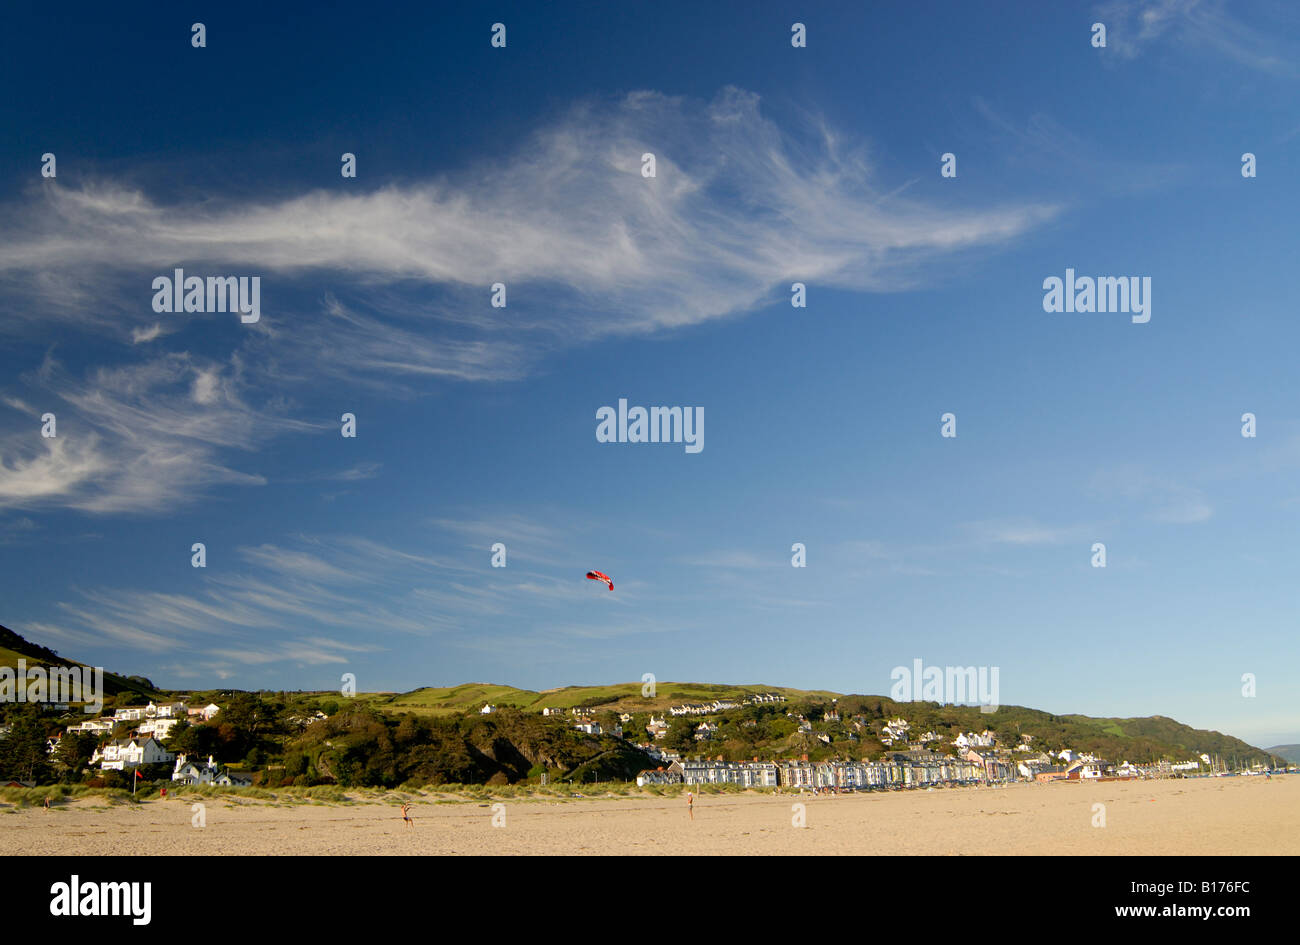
x=521 y=165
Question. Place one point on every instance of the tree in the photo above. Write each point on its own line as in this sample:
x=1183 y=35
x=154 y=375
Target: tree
x=23 y=754
x=681 y=734
x=247 y=720
x=75 y=750
x=196 y=740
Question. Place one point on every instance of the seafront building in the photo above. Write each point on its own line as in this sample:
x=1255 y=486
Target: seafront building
x=899 y=769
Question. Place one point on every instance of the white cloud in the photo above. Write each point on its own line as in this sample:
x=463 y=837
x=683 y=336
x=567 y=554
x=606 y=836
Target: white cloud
x=739 y=208
x=34 y=468
x=587 y=247
x=142 y=437
x=143 y=335
x=1132 y=28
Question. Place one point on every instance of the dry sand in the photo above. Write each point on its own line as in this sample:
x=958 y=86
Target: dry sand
x=1203 y=816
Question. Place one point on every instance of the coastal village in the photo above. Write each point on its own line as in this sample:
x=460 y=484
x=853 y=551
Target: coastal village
x=912 y=759
x=151 y=725
x=922 y=759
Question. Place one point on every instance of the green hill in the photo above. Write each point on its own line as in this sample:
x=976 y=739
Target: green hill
x=837 y=725
x=620 y=697
x=14 y=647
x=1290 y=752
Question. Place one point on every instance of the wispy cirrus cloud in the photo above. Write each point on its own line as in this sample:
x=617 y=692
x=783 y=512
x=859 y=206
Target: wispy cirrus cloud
x=388 y=287
x=738 y=208
x=260 y=613
x=140 y=437
x=362 y=596
x=1210 y=26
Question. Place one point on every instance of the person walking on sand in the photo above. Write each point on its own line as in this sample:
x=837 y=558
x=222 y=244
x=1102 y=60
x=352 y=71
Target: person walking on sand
x=406 y=815
x=47 y=803
x=690 y=804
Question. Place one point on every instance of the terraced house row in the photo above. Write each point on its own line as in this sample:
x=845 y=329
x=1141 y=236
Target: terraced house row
x=901 y=769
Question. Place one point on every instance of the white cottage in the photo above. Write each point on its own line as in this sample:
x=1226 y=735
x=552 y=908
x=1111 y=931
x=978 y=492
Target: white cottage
x=130 y=753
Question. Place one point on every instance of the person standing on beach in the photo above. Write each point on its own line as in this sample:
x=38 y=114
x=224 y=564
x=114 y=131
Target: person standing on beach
x=690 y=804
x=47 y=803
x=406 y=815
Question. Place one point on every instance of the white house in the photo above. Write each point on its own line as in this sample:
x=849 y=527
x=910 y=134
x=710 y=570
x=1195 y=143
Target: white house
x=131 y=752
x=1088 y=770
x=166 y=710
x=895 y=730
x=129 y=714
x=189 y=772
x=658 y=777
x=207 y=713
x=159 y=727
x=985 y=739
x=487 y=710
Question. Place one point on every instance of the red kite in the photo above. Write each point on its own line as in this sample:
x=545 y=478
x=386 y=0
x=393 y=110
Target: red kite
x=601 y=576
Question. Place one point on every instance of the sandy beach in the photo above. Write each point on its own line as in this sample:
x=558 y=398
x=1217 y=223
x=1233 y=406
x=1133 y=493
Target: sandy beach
x=1227 y=816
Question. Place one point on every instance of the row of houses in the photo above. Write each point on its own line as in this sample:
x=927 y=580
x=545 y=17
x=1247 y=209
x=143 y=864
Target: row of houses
x=153 y=723
x=724 y=705
x=913 y=768
x=123 y=753
x=904 y=769
x=133 y=752
x=703 y=708
x=166 y=710
x=154 y=719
